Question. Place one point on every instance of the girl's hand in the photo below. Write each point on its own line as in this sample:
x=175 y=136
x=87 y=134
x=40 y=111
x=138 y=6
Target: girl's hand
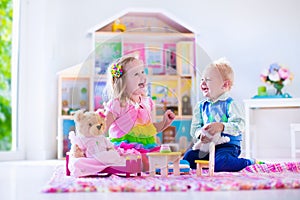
x=213 y=128
x=169 y=116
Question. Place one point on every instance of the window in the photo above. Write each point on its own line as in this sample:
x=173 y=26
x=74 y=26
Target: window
x=9 y=25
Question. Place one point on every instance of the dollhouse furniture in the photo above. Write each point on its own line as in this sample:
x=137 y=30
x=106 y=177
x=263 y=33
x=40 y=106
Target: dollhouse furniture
x=269 y=119
x=210 y=164
x=184 y=167
x=200 y=165
x=161 y=160
x=295 y=128
x=132 y=167
x=169 y=134
x=169 y=138
x=117 y=26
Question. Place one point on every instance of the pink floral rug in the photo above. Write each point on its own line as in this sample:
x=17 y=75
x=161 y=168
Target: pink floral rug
x=255 y=177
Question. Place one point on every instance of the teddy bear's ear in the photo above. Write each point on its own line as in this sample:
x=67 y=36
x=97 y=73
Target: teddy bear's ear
x=78 y=116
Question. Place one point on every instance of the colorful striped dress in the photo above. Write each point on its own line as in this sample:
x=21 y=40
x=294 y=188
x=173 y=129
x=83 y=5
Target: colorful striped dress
x=133 y=127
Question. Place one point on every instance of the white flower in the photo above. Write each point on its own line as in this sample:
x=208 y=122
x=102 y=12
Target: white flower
x=274 y=77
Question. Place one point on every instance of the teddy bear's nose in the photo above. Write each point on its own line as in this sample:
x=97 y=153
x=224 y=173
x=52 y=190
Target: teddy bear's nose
x=99 y=126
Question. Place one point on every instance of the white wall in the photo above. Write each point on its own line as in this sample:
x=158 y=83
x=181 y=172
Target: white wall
x=251 y=34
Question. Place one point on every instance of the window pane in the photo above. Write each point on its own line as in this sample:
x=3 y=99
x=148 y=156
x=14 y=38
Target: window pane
x=5 y=75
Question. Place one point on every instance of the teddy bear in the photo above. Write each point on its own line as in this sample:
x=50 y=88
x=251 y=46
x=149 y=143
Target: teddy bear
x=204 y=147
x=89 y=140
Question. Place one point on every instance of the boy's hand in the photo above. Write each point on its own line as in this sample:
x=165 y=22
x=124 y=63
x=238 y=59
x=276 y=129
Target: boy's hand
x=204 y=136
x=213 y=128
x=205 y=139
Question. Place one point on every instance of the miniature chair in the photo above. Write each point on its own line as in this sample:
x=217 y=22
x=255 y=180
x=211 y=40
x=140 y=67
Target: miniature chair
x=210 y=164
x=293 y=129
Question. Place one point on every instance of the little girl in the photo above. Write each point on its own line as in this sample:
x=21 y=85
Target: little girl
x=129 y=111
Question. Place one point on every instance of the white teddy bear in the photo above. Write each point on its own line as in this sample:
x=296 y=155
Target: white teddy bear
x=216 y=139
x=89 y=139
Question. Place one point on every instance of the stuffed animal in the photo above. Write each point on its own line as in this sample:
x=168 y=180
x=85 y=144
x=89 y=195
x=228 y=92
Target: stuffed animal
x=216 y=139
x=89 y=139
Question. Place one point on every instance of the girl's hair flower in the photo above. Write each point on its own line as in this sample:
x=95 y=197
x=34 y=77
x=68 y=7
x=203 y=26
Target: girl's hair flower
x=116 y=71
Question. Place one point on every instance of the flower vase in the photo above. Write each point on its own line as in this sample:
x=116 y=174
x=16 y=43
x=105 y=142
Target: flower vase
x=278 y=87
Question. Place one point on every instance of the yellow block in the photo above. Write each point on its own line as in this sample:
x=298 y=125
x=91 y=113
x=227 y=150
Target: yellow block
x=202 y=162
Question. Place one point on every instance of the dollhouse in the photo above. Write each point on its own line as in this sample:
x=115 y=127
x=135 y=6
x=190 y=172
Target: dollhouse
x=168 y=50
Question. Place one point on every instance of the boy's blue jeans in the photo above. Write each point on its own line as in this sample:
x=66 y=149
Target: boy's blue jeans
x=226 y=158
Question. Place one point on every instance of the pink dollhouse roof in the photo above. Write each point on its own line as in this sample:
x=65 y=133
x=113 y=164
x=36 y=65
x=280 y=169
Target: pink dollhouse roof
x=144 y=21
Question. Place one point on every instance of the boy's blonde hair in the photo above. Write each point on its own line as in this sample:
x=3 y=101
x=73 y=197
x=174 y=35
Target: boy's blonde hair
x=116 y=86
x=226 y=71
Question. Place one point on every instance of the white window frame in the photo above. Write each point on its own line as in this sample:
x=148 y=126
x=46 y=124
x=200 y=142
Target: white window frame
x=17 y=152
